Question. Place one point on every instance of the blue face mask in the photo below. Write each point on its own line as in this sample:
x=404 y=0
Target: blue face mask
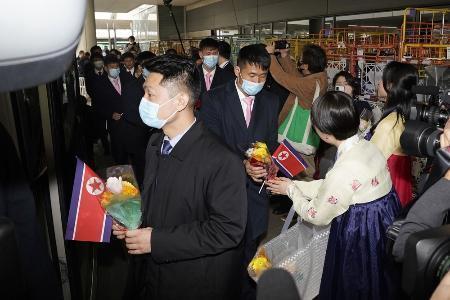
x=251 y=88
x=210 y=61
x=114 y=73
x=145 y=73
x=149 y=113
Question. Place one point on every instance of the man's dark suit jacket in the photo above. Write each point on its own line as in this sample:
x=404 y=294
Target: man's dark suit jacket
x=222 y=114
x=195 y=201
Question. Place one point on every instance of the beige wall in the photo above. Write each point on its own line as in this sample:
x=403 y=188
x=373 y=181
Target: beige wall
x=88 y=38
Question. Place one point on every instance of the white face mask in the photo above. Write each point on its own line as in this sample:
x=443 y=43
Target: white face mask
x=149 y=113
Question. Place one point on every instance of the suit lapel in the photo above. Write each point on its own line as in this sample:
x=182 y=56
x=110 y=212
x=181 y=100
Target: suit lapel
x=235 y=105
x=216 y=79
x=256 y=111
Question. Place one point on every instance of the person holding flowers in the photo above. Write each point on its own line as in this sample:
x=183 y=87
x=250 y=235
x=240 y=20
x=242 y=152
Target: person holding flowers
x=193 y=199
x=357 y=198
x=241 y=113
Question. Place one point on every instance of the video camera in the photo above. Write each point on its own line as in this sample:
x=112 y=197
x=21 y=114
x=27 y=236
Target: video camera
x=426 y=261
x=422 y=131
x=282 y=44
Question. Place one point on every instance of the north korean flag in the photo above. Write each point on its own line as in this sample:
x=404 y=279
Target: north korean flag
x=87 y=220
x=289 y=160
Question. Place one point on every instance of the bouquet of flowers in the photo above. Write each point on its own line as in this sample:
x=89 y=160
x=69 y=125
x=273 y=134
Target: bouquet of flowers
x=259 y=156
x=259 y=264
x=122 y=199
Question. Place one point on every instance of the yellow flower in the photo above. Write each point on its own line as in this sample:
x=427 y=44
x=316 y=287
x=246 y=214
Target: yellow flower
x=128 y=190
x=260 y=263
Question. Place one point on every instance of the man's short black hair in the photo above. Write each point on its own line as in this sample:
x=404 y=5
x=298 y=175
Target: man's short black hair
x=315 y=57
x=208 y=43
x=144 y=56
x=96 y=49
x=96 y=56
x=111 y=59
x=335 y=114
x=127 y=55
x=131 y=37
x=224 y=50
x=179 y=74
x=254 y=55
x=171 y=51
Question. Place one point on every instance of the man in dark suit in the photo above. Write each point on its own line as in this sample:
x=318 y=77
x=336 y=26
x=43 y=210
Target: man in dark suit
x=242 y=112
x=97 y=123
x=117 y=99
x=129 y=64
x=194 y=198
x=211 y=75
x=224 y=58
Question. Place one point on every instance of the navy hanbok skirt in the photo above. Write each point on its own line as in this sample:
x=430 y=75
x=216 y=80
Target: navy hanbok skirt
x=356 y=264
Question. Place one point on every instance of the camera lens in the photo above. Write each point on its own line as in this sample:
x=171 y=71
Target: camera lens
x=420 y=139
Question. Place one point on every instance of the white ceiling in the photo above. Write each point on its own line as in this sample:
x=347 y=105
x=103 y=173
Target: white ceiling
x=124 y=6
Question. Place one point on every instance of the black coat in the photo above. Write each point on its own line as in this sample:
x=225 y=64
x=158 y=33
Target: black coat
x=222 y=114
x=220 y=77
x=129 y=129
x=195 y=200
x=229 y=68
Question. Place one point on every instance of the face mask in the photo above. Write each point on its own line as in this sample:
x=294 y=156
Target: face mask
x=149 y=113
x=145 y=73
x=210 y=61
x=251 y=88
x=114 y=73
x=98 y=64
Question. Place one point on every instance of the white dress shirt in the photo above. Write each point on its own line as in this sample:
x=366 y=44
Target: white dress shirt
x=206 y=72
x=174 y=141
x=224 y=64
x=241 y=98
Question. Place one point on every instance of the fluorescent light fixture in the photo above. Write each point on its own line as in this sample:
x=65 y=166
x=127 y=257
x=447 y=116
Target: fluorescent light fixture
x=139 y=9
x=103 y=15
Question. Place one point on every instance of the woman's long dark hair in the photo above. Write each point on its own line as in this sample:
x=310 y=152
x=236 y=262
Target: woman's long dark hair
x=398 y=80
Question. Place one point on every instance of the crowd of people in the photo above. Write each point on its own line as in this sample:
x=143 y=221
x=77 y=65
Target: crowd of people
x=185 y=123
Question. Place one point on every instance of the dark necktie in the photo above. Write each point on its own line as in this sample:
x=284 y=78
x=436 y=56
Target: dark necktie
x=167 y=147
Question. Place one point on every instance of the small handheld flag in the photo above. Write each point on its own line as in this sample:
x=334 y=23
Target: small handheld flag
x=289 y=160
x=87 y=220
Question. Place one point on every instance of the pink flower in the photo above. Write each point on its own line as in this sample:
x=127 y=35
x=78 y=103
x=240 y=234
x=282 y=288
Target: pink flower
x=375 y=182
x=332 y=200
x=355 y=185
x=312 y=212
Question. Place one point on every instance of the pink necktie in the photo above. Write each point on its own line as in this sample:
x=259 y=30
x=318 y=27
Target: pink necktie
x=117 y=85
x=208 y=81
x=248 y=110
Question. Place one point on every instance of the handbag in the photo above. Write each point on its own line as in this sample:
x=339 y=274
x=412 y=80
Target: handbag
x=297 y=128
x=301 y=251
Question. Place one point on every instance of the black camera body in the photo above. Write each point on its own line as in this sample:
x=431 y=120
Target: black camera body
x=426 y=261
x=421 y=135
x=282 y=44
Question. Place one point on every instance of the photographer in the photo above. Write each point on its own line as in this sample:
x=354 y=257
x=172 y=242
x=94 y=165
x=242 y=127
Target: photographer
x=305 y=83
x=429 y=211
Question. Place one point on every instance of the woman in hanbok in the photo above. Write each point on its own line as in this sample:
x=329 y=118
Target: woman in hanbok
x=398 y=80
x=357 y=198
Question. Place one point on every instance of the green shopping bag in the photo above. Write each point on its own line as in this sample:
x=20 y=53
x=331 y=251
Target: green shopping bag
x=297 y=128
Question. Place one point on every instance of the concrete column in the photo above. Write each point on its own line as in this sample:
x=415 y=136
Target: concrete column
x=88 y=36
x=315 y=25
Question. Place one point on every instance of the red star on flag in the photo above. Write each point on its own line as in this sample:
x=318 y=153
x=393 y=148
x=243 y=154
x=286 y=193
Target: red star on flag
x=95 y=185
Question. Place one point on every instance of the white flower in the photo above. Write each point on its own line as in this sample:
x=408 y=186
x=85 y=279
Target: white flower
x=114 y=184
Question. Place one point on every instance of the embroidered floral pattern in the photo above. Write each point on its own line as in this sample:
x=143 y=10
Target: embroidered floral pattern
x=375 y=182
x=332 y=200
x=312 y=212
x=355 y=185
